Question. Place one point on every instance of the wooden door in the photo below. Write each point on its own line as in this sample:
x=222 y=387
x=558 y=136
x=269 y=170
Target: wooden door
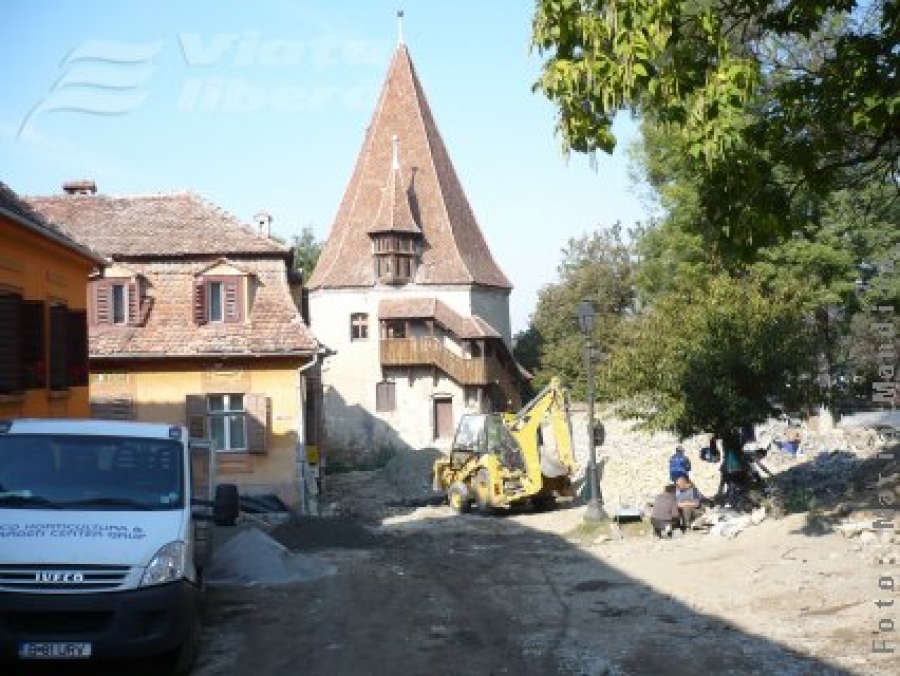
x=443 y=418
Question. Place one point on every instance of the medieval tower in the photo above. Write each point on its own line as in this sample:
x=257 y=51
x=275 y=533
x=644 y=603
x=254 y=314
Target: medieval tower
x=406 y=291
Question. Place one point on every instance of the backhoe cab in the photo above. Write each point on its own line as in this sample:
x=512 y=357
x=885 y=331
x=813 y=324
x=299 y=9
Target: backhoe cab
x=504 y=459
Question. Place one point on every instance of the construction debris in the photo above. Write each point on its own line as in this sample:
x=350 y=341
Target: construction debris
x=725 y=522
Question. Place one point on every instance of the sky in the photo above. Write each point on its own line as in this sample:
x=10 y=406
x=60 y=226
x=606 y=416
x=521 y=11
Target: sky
x=262 y=106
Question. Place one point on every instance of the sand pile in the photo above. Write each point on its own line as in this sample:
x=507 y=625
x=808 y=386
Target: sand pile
x=250 y=556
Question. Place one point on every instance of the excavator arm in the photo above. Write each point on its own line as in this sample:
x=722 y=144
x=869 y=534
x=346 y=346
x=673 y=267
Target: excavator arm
x=551 y=402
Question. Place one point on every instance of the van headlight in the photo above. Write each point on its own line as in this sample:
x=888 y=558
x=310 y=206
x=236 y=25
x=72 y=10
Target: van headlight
x=167 y=565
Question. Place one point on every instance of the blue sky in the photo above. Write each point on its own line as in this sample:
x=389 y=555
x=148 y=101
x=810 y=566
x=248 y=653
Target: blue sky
x=263 y=106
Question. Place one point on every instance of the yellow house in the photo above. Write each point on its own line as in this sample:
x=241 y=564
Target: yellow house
x=43 y=329
x=194 y=321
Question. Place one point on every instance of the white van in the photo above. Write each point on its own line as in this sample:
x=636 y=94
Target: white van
x=104 y=532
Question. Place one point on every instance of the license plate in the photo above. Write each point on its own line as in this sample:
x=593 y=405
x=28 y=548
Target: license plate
x=54 y=651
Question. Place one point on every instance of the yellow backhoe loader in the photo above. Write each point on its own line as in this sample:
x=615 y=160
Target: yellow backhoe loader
x=503 y=459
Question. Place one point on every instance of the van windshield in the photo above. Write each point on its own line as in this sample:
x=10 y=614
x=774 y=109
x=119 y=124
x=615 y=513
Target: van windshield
x=45 y=471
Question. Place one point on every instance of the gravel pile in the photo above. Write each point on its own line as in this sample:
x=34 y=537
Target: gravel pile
x=409 y=474
x=250 y=556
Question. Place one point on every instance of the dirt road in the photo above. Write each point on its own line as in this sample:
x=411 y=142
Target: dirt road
x=431 y=593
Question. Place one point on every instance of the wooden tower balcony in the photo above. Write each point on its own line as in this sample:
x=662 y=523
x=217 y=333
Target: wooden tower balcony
x=429 y=351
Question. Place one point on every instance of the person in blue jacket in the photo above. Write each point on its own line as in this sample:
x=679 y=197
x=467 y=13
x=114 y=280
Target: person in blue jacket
x=679 y=465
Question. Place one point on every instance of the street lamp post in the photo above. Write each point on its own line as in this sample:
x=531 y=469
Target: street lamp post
x=594 y=511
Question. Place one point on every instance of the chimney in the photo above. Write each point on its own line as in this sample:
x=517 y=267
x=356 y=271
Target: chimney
x=84 y=187
x=264 y=223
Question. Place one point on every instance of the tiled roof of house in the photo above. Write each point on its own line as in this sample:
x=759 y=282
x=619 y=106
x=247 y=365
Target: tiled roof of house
x=431 y=308
x=11 y=203
x=168 y=240
x=149 y=226
x=274 y=327
x=454 y=249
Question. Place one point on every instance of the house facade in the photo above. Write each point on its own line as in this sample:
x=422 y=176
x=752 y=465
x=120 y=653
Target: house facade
x=193 y=321
x=407 y=292
x=43 y=315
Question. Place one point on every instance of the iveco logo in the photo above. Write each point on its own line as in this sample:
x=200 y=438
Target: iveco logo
x=58 y=577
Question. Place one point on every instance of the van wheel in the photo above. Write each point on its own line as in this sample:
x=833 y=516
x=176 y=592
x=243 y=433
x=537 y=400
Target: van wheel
x=180 y=661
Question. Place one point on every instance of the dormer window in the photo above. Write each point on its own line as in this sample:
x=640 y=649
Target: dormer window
x=395 y=232
x=219 y=299
x=395 y=257
x=119 y=301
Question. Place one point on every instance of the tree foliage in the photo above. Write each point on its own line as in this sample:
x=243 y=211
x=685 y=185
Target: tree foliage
x=808 y=85
x=598 y=268
x=770 y=138
x=708 y=358
x=829 y=243
x=306 y=251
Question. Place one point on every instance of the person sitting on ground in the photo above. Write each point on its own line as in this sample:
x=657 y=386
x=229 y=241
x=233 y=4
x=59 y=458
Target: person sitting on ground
x=679 y=465
x=689 y=500
x=664 y=516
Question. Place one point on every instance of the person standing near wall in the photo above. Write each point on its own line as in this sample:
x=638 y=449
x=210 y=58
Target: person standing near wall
x=679 y=465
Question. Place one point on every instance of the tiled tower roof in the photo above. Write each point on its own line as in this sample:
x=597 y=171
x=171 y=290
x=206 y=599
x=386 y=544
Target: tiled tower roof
x=454 y=250
x=395 y=213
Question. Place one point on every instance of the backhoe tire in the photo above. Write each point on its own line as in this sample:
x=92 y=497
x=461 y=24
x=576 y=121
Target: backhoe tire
x=482 y=490
x=458 y=497
x=543 y=502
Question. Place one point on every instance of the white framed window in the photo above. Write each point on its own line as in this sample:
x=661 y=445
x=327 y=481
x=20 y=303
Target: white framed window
x=119 y=301
x=359 y=326
x=219 y=299
x=215 y=309
x=227 y=422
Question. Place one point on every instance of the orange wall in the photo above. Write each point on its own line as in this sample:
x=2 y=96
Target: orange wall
x=157 y=392
x=39 y=268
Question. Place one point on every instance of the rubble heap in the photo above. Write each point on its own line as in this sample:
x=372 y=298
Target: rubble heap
x=831 y=466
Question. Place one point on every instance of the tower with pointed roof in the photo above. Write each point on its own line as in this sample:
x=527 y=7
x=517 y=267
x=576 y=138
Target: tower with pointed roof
x=406 y=290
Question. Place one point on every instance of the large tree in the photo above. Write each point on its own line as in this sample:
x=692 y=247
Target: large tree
x=809 y=85
x=709 y=358
x=838 y=246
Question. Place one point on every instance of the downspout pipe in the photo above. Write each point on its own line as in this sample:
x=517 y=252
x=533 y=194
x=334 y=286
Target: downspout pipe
x=302 y=461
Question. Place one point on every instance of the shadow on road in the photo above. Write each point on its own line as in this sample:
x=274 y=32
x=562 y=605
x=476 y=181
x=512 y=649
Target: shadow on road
x=478 y=595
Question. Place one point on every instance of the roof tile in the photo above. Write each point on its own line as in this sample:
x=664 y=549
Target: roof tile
x=455 y=250
x=148 y=226
x=168 y=240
